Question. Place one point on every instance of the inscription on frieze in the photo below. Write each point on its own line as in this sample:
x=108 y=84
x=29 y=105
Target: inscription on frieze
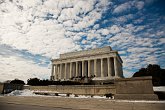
x=86 y=52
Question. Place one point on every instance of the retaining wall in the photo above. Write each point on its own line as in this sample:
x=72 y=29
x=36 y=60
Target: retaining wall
x=77 y=89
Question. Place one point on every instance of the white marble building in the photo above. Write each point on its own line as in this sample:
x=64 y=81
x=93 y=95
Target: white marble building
x=103 y=63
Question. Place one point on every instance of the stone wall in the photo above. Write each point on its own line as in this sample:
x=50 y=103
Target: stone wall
x=77 y=89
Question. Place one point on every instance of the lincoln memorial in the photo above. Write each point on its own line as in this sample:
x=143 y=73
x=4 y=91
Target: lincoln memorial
x=102 y=63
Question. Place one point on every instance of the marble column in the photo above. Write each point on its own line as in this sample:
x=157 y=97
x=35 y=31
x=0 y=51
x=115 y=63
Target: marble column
x=76 y=68
x=70 y=69
x=89 y=68
x=60 y=75
x=56 y=72
x=95 y=67
x=85 y=68
x=82 y=68
x=65 y=77
x=52 y=70
x=120 y=69
x=116 y=68
x=102 y=72
x=109 y=68
x=79 y=69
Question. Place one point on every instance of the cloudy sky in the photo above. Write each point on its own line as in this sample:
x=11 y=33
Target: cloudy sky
x=34 y=31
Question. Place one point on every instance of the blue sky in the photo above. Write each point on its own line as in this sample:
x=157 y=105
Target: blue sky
x=33 y=32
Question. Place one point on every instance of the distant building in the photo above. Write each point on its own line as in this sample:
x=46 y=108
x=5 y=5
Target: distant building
x=103 y=63
x=7 y=87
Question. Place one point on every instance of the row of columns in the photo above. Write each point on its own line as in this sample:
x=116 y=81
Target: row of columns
x=112 y=69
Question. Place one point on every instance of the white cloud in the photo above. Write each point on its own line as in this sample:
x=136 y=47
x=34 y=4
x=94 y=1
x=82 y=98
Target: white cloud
x=127 y=73
x=29 y=31
x=129 y=27
x=122 y=52
x=128 y=5
x=105 y=31
x=123 y=7
x=138 y=51
x=160 y=33
x=91 y=36
x=15 y=67
x=162 y=40
x=124 y=37
x=141 y=50
x=68 y=23
x=123 y=19
x=139 y=5
x=40 y=37
x=84 y=42
x=139 y=28
x=87 y=21
x=96 y=26
x=114 y=29
x=14 y=64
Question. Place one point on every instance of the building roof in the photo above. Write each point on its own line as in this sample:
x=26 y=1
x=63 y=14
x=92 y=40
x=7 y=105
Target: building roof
x=84 y=53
